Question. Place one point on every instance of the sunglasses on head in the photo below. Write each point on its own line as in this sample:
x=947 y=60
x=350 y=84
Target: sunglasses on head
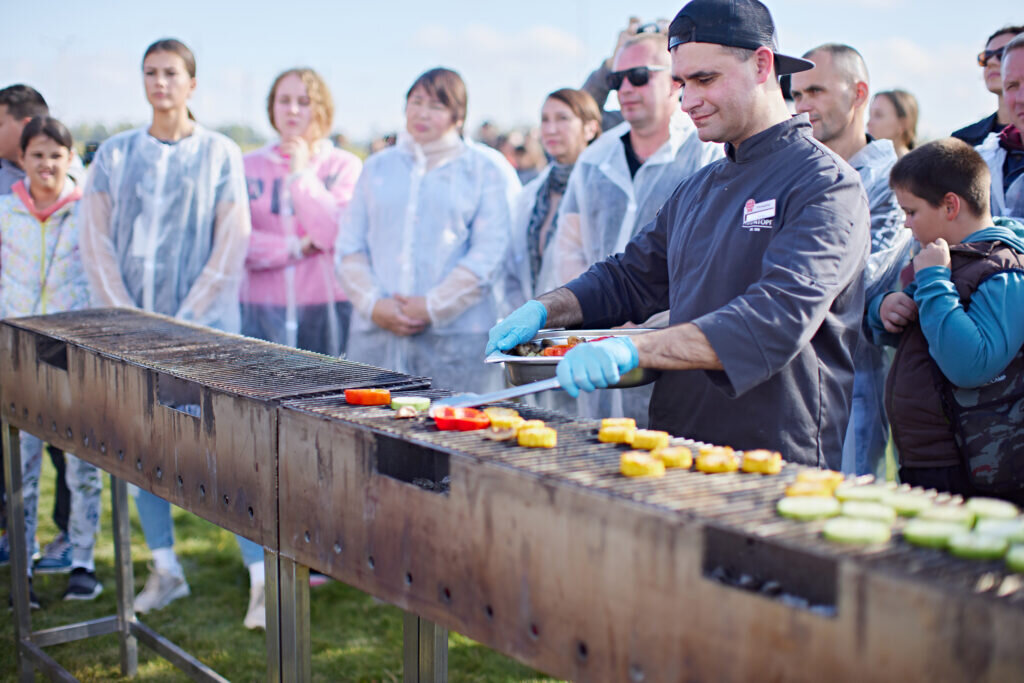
x=986 y=55
x=638 y=76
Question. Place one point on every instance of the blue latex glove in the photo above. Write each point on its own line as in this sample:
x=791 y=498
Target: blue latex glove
x=596 y=365
x=520 y=326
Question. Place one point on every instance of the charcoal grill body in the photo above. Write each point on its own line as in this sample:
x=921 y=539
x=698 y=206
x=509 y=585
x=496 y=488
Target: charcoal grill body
x=547 y=555
x=182 y=411
x=553 y=558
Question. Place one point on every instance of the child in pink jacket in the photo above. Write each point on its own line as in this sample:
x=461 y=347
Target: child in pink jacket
x=297 y=187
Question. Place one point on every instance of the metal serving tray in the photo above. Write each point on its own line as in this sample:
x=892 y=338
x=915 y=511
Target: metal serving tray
x=525 y=369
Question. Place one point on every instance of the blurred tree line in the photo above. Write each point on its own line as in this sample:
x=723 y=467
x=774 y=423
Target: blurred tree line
x=245 y=137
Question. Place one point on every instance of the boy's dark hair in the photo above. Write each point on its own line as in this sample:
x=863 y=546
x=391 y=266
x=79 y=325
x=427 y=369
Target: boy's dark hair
x=50 y=127
x=942 y=166
x=23 y=101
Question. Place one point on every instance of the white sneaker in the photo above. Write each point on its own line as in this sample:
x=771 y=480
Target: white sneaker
x=256 y=615
x=161 y=589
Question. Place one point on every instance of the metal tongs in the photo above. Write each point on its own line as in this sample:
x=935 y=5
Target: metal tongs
x=470 y=400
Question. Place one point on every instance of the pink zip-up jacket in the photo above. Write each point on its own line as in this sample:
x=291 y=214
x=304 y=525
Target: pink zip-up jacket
x=285 y=207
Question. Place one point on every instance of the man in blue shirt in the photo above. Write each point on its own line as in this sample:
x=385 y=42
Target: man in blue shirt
x=758 y=257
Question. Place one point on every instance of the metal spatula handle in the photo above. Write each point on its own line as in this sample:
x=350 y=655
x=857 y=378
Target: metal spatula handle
x=469 y=400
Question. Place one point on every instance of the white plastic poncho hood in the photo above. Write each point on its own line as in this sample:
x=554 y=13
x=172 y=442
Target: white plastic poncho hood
x=1007 y=202
x=166 y=226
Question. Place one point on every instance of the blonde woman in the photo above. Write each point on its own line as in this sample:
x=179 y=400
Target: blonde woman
x=298 y=186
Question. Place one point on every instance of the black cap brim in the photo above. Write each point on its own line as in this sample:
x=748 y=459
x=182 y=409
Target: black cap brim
x=784 y=64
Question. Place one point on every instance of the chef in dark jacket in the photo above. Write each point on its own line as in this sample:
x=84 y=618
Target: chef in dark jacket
x=758 y=258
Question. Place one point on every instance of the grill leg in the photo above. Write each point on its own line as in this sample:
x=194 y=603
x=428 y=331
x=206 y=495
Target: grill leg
x=296 y=657
x=425 y=651
x=273 y=603
x=125 y=577
x=18 y=548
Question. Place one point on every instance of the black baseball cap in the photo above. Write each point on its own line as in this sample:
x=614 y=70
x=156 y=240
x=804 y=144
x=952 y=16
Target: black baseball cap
x=734 y=23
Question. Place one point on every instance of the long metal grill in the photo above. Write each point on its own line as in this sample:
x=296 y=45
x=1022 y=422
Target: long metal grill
x=740 y=501
x=548 y=555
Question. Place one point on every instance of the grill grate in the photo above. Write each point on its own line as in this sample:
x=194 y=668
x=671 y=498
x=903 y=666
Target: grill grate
x=235 y=365
x=744 y=502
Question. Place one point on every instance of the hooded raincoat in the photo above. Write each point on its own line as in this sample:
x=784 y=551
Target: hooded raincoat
x=288 y=297
x=441 y=233
x=166 y=226
x=604 y=208
x=1007 y=202
x=41 y=272
x=868 y=430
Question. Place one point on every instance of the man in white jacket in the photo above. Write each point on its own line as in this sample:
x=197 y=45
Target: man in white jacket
x=621 y=181
x=1004 y=151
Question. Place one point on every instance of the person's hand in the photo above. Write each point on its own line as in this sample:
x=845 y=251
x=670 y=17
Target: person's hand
x=414 y=307
x=388 y=315
x=307 y=247
x=297 y=151
x=932 y=254
x=897 y=311
x=596 y=365
x=518 y=327
x=624 y=35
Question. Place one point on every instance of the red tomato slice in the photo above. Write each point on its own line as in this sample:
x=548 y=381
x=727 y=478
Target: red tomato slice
x=368 y=397
x=460 y=419
x=556 y=350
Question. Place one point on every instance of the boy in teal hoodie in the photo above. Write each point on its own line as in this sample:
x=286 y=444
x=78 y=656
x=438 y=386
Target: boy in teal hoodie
x=955 y=394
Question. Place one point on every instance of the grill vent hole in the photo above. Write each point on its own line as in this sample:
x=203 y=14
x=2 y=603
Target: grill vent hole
x=370 y=562
x=534 y=631
x=489 y=611
x=408 y=579
x=581 y=650
x=251 y=513
x=337 y=548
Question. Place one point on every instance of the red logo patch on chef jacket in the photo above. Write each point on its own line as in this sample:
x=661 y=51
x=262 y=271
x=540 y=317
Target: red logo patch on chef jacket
x=758 y=215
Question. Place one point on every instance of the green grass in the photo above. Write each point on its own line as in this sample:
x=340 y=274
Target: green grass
x=354 y=638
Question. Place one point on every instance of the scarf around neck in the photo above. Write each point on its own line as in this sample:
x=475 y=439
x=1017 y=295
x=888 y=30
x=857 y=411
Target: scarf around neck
x=1010 y=138
x=554 y=184
x=435 y=153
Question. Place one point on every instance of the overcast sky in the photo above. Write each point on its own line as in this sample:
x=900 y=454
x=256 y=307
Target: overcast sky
x=85 y=56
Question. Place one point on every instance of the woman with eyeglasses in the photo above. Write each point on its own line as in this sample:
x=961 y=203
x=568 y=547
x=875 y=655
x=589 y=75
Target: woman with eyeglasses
x=423 y=244
x=990 y=60
x=894 y=117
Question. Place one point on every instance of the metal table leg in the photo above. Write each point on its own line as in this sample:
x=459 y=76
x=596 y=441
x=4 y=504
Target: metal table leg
x=125 y=577
x=293 y=589
x=425 y=651
x=272 y=597
x=18 y=548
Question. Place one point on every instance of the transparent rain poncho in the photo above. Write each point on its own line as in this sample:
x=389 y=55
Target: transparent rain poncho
x=166 y=226
x=441 y=233
x=289 y=297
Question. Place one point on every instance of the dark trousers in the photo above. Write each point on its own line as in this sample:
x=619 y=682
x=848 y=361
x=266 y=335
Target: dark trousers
x=952 y=479
x=62 y=499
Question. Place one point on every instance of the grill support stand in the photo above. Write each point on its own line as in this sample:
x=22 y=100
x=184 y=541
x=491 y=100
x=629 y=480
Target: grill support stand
x=125 y=577
x=424 y=650
x=292 y=624
x=30 y=644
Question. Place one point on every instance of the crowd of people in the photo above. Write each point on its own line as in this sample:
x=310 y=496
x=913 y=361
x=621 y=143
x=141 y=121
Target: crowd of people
x=769 y=217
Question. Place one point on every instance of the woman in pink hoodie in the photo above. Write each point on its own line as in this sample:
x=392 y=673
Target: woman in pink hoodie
x=297 y=187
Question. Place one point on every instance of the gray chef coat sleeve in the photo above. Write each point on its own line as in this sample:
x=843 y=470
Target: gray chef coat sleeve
x=821 y=246
x=627 y=287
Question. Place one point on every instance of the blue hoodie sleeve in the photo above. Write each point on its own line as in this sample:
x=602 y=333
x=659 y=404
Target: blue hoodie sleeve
x=971 y=346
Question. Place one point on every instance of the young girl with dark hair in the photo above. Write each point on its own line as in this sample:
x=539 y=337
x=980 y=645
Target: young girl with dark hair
x=41 y=272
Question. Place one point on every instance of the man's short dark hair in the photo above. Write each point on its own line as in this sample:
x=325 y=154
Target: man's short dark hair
x=1015 y=30
x=948 y=165
x=23 y=101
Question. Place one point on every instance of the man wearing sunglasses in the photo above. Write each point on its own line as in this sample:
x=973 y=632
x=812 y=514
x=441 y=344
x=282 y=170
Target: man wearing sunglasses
x=620 y=181
x=1004 y=151
x=990 y=60
x=757 y=256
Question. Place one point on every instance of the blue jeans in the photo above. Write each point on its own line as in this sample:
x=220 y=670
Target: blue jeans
x=155 y=516
x=85 y=485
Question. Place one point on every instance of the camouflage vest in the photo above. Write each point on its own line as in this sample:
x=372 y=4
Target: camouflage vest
x=936 y=424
